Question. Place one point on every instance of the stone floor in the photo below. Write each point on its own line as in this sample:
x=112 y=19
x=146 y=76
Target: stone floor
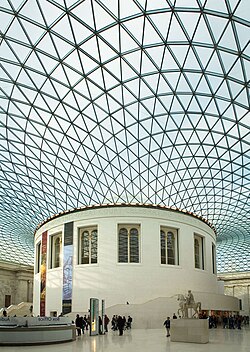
x=151 y=340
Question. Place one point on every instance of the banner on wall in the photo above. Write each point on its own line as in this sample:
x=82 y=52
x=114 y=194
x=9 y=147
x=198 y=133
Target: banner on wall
x=94 y=316
x=67 y=267
x=43 y=274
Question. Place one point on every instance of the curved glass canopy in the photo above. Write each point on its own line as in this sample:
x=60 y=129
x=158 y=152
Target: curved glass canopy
x=130 y=101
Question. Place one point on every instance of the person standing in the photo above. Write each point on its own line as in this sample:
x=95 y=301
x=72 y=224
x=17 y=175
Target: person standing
x=106 y=321
x=120 y=325
x=78 y=323
x=167 y=326
x=129 y=323
x=174 y=316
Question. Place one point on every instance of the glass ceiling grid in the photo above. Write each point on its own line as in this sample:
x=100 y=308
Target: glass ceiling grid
x=143 y=103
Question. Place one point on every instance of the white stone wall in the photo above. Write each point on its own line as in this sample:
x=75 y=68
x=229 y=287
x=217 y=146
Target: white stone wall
x=136 y=283
x=16 y=281
x=238 y=285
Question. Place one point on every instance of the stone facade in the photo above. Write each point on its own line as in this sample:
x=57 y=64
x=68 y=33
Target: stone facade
x=16 y=284
x=238 y=285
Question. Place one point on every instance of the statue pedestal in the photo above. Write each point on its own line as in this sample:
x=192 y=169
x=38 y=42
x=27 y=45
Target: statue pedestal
x=189 y=330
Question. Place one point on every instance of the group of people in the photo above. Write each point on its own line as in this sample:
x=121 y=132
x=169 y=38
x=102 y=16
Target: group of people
x=121 y=323
x=82 y=323
x=118 y=323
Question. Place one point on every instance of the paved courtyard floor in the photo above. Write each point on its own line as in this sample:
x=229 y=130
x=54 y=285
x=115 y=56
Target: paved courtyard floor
x=151 y=340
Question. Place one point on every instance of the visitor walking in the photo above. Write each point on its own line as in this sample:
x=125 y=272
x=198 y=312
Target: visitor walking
x=167 y=326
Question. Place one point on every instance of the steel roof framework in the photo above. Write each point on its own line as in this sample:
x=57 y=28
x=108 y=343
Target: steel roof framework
x=125 y=102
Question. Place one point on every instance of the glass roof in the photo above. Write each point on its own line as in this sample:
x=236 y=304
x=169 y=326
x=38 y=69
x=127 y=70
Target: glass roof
x=130 y=101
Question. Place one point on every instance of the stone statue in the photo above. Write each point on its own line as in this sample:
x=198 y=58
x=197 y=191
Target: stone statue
x=186 y=302
x=190 y=298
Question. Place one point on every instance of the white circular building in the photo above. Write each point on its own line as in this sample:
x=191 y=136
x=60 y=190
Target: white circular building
x=121 y=253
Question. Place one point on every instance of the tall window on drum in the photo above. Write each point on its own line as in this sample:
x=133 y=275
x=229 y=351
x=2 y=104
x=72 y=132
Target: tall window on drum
x=169 y=247
x=128 y=244
x=198 y=252
x=56 y=251
x=88 y=246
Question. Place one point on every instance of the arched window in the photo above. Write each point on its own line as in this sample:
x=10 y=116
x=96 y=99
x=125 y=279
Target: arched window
x=198 y=252
x=169 y=246
x=88 y=246
x=56 y=251
x=128 y=244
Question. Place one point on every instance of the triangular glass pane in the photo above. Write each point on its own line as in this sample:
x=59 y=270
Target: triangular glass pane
x=216 y=6
x=218 y=25
x=135 y=28
x=21 y=51
x=50 y=12
x=106 y=52
x=242 y=9
x=91 y=49
x=127 y=96
x=63 y=28
x=183 y=85
x=81 y=32
x=175 y=33
x=189 y=20
x=133 y=86
x=87 y=63
x=25 y=79
x=235 y=88
x=228 y=39
x=47 y=46
x=94 y=90
x=243 y=98
x=11 y=70
x=214 y=64
x=5 y=20
x=191 y=61
x=114 y=68
x=59 y=72
x=162 y=21
x=194 y=106
x=62 y=47
x=163 y=87
x=16 y=31
x=173 y=78
x=113 y=105
x=102 y=17
x=127 y=11
x=215 y=82
x=152 y=81
x=116 y=93
x=73 y=61
x=134 y=60
x=222 y=104
x=204 y=54
x=180 y=52
x=72 y=75
x=202 y=34
x=156 y=54
x=150 y=34
x=176 y=106
x=127 y=43
x=168 y=62
x=236 y=71
x=111 y=35
x=203 y=86
x=167 y=101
